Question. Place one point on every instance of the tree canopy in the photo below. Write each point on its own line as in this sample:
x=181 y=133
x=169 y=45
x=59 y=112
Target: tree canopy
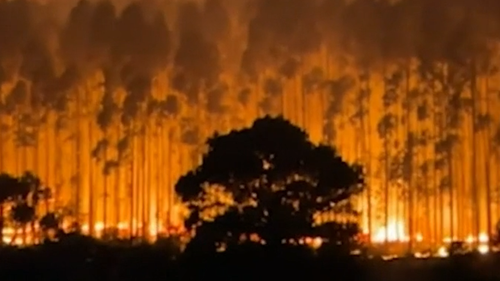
x=20 y=195
x=268 y=181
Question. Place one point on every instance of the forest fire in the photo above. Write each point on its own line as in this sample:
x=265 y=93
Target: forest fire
x=24 y=236
x=110 y=104
x=394 y=232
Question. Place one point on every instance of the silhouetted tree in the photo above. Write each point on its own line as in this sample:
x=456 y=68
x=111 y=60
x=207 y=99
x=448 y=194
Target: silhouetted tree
x=49 y=221
x=266 y=183
x=27 y=193
x=7 y=191
x=22 y=214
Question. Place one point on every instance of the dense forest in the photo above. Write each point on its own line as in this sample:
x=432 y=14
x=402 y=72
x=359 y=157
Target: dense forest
x=109 y=102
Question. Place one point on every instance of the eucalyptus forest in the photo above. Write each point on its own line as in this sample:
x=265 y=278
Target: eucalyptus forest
x=110 y=102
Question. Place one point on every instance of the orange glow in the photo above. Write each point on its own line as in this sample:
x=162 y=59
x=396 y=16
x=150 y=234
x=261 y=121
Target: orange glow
x=419 y=237
x=137 y=195
x=394 y=232
x=25 y=237
x=483 y=249
x=483 y=238
x=470 y=239
x=442 y=252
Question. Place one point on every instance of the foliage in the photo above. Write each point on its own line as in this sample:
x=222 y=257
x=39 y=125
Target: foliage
x=49 y=221
x=8 y=184
x=268 y=180
x=23 y=213
x=22 y=195
x=26 y=194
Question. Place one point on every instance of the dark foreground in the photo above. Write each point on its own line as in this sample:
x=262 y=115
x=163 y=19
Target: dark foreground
x=83 y=259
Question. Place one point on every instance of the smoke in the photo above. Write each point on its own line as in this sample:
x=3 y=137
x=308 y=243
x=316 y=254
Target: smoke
x=196 y=62
x=56 y=45
x=244 y=96
x=216 y=21
x=18 y=26
x=280 y=30
x=216 y=99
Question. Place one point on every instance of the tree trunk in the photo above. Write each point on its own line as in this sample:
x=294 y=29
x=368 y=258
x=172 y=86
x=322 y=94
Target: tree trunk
x=23 y=232
x=135 y=186
x=144 y=185
x=131 y=194
x=474 y=186
x=117 y=184
x=2 y=135
x=159 y=184
x=105 y=187
x=410 y=172
x=2 y=222
x=365 y=153
x=171 y=163
x=33 y=232
x=387 y=175
x=78 y=149
x=488 y=168
x=59 y=170
x=91 y=218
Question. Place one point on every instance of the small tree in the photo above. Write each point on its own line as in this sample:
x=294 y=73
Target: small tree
x=27 y=194
x=268 y=183
x=22 y=214
x=8 y=185
x=49 y=224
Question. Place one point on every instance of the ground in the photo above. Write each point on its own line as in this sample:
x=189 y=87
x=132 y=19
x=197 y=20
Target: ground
x=87 y=260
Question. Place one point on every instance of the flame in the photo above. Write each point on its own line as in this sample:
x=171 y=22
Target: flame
x=442 y=252
x=419 y=237
x=483 y=238
x=483 y=249
x=393 y=232
x=19 y=237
